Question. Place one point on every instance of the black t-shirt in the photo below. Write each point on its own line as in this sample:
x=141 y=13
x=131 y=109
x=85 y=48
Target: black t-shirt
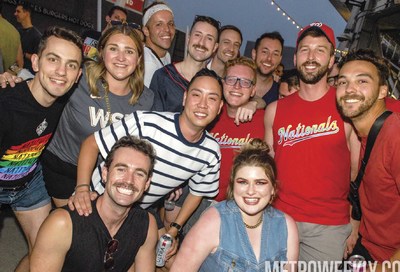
x=272 y=95
x=90 y=237
x=30 y=38
x=25 y=130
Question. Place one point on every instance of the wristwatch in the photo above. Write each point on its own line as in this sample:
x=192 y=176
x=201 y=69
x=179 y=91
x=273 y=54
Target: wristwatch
x=176 y=225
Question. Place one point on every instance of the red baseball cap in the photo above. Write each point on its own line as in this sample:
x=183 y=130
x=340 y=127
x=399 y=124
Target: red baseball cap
x=323 y=28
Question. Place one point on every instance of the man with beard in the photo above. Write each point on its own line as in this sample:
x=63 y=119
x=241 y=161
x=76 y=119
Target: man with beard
x=312 y=147
x=159 y=31
x=170 y=82
x=267 y=54
x=361 y=92
x=229 y=42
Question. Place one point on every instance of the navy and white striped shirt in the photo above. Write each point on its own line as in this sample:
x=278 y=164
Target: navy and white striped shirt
x=177 y=159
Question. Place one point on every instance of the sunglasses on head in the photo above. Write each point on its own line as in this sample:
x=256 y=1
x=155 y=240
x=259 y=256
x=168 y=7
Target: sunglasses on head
x=112 y=247
x=131 y=25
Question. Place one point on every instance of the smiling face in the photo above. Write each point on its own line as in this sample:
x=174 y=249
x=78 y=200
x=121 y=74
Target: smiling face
x=202 y=103
x=229 y=45
x=236 y=95
x=252 y=191
x=358 y=88
x=57 y=69
x=160 y=31
x=127 y=177
x=120 y=57
x=313 y=58
x=202 y=41
x=267 y=56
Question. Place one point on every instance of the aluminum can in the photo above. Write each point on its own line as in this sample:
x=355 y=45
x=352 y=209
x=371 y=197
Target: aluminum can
x=169 y=205
x=357 y=263
x=163 y=245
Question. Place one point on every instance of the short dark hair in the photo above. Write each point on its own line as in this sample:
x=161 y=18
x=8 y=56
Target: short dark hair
x=291 y=77
x=270 y=35
x=114 y=8
x=137 y=144
x=230 y=27
x=62 y=33
x=26 y=6
x=208 y=73
x=381 y=64
x=206 y=19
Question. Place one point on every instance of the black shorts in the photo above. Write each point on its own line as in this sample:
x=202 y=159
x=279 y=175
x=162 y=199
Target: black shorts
x=59 y=176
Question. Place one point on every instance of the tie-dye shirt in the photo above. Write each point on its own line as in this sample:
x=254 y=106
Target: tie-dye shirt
x=25 y=130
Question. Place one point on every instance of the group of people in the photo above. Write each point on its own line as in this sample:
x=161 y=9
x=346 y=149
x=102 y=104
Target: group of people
x=116 y=130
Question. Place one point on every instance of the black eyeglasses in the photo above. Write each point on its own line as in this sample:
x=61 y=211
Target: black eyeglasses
x=112 y=247
x=207 y=19
x=131 y=25
x=243 y=82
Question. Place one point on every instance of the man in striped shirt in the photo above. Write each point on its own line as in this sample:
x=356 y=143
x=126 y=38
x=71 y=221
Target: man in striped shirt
x=185 y=151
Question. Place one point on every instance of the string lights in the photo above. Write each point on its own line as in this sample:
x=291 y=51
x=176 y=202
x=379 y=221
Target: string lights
x=298 y=26
x=285 y=14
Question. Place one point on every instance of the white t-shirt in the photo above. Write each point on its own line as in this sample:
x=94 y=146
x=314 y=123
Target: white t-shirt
x=152 y=64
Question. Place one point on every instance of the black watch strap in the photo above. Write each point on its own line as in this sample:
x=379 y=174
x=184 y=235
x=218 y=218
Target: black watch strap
x=176 y=225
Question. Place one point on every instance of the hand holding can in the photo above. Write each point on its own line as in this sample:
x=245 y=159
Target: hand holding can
x=357 y=263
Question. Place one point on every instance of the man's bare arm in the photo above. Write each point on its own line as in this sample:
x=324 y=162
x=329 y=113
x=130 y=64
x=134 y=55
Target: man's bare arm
x=145 y=259
x=52 y=243
x=269 y=117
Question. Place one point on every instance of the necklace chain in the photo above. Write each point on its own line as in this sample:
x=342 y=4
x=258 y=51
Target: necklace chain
x=256 y=225
x=107 y=100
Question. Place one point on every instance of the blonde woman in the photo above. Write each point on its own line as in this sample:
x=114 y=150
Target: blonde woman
x=243 y=233
x=109 y=89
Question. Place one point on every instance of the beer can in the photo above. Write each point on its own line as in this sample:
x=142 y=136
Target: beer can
x=357 y=263
x=163 y=246
x=169 y=205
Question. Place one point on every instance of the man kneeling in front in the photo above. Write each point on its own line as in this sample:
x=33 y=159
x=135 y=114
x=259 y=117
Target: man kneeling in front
x=115 y=235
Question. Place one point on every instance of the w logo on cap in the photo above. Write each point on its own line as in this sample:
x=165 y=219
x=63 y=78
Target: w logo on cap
x=317 y=24
x=323 y=28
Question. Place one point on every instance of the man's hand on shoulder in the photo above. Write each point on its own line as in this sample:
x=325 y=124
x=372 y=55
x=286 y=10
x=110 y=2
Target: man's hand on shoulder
x=246 y=112
x=8 y=79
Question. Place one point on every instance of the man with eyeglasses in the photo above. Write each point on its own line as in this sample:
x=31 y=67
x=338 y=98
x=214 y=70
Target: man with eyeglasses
x=267 y=54
x=170 y=82
x=116 y=236
x=91 y=37
x=239 y=87
x=159 y=31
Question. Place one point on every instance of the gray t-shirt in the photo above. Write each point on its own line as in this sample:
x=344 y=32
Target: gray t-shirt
x=85 y=114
